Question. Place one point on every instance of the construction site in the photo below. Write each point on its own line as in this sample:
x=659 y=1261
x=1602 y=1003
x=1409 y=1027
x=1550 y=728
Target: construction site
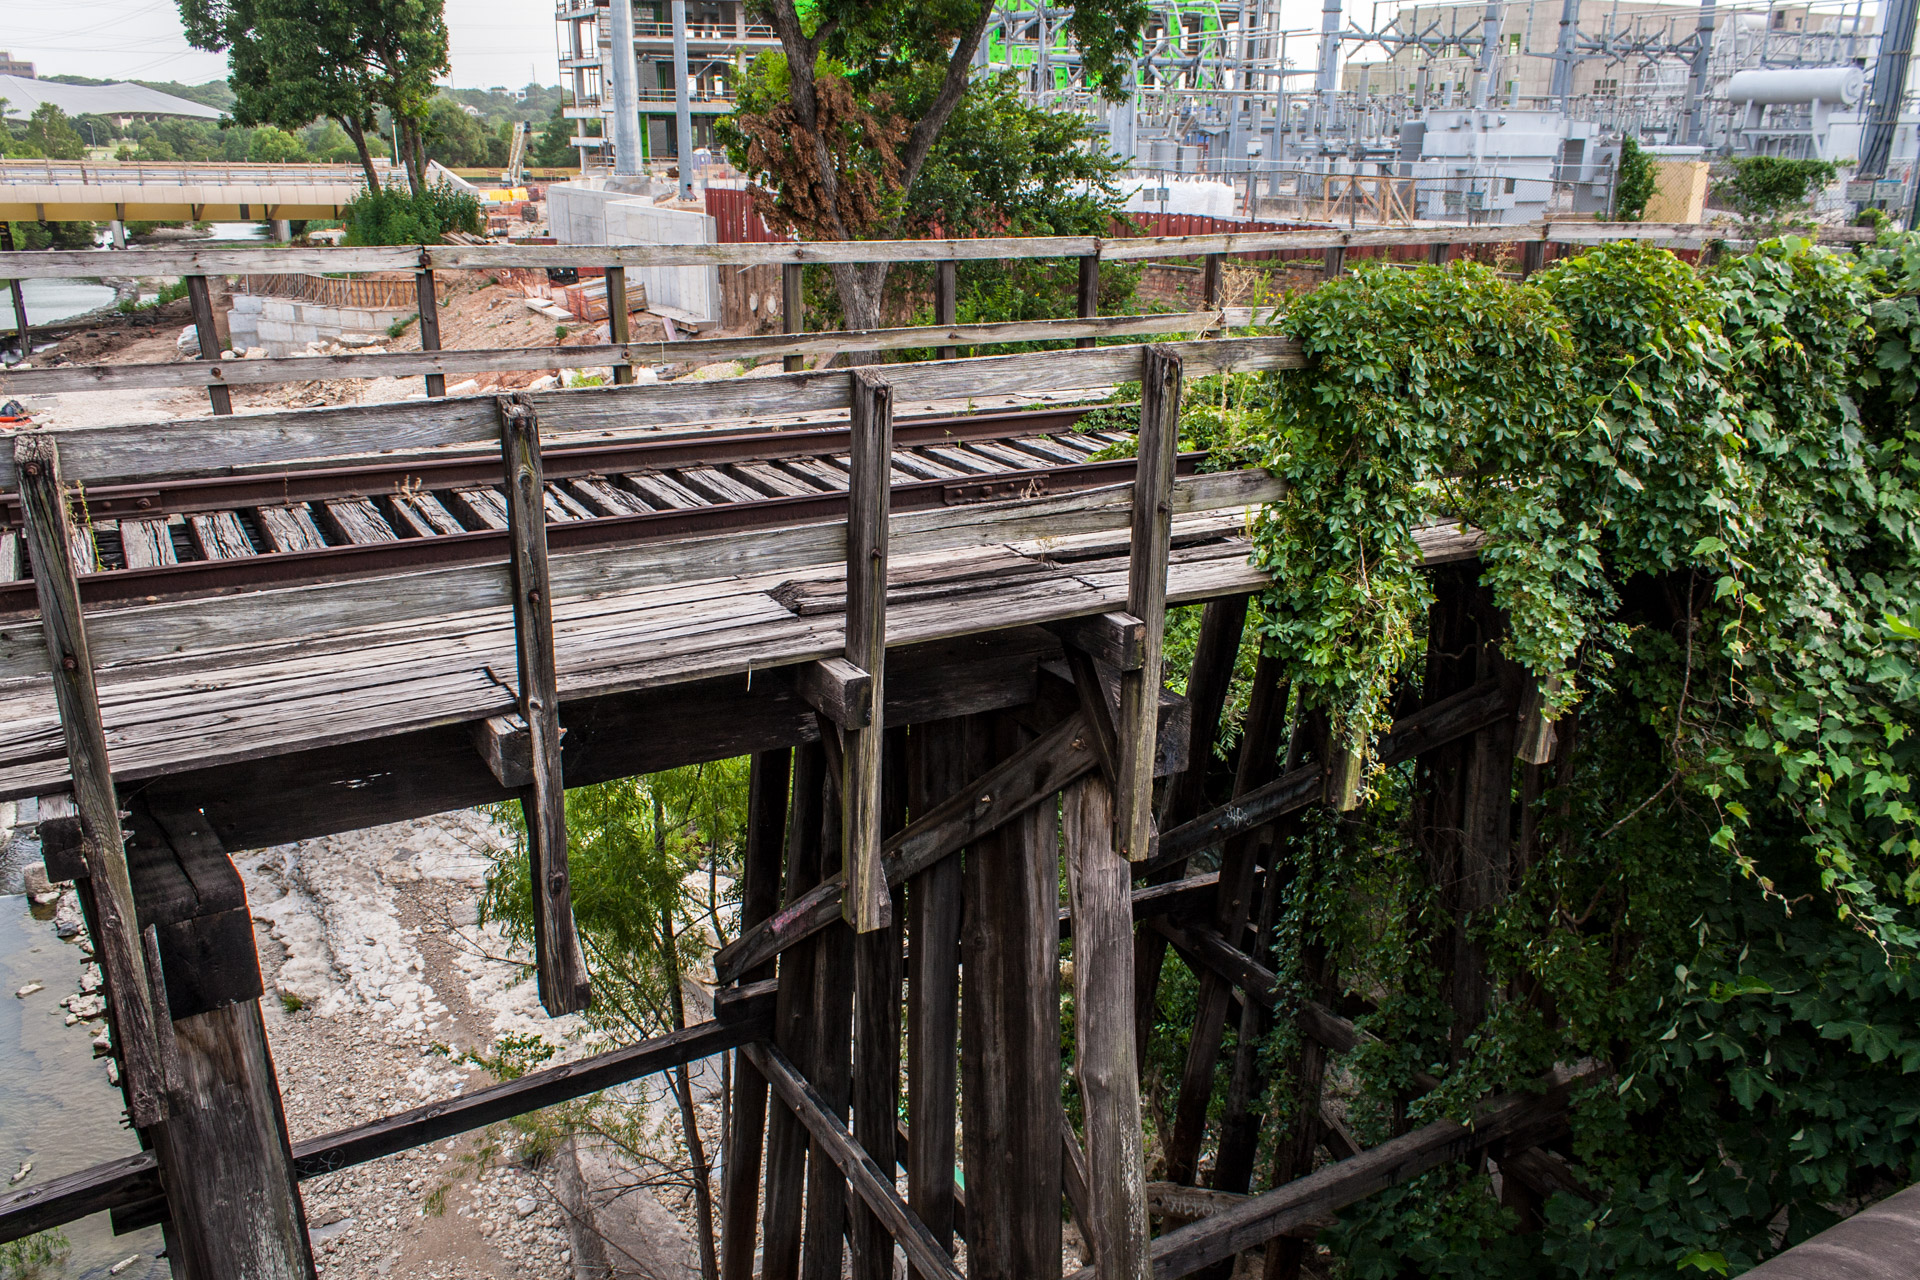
x=662 y=735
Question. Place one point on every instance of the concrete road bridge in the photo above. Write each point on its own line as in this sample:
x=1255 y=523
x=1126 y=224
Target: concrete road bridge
x=77 y=190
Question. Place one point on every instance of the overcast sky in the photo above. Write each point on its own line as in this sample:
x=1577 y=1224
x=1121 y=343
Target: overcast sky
x=495 y=42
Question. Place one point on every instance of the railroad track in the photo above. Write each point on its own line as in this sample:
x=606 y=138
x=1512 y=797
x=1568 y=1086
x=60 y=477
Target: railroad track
x=188 y=537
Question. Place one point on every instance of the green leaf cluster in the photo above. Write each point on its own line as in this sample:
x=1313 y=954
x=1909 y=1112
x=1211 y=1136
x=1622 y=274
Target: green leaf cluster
x=1696 y=487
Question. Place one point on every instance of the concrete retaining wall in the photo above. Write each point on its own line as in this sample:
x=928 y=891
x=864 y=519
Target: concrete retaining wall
x=584 y=212
x=285 y=327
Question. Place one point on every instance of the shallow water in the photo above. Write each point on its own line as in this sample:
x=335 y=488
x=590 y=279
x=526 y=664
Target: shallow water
x=56 y=1107
x=52 y=300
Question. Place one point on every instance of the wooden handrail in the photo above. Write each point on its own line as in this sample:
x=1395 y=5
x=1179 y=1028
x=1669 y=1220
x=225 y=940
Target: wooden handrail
x=54 y=264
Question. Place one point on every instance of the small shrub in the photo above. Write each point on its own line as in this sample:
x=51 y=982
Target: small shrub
x=400 y=326
x=1766 y=188
x=406 y=217
x=560 y=332
x=1634 y=185
x=168 y=293
x=291 y=1003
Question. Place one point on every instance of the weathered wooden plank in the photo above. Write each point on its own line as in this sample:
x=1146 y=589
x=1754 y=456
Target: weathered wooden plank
x=866 y=899
x=357 y=520
x=1010 y=1047
x=1099 y=881
x=190 y=446
x=435 y=365
x=223 y=1144
x=866 y=1177
x=1152 y=534
x=144 y=543
x=1524 y=1118
x=1117 y=639
x=838 y=690
x=830 y=1070
x=506 y=744
x=220 y=536
x=424 y=516
x=289 y=528
x=1074 y=1178
x=480 y=508
x=561 y=971
x=114 y=923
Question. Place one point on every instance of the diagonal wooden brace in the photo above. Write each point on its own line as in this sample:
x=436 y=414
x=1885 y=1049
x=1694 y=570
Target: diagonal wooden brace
x=49 y=530
x=561 y=971
x=866 y=904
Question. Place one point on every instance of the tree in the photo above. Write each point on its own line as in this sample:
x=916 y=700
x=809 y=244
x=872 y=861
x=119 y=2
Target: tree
x=269 y=145
x=849 y=112
x=554 y=147
x=1633 y=185
x=53 y=134
x=647 y=858
x=291 y=62
x=455 y=138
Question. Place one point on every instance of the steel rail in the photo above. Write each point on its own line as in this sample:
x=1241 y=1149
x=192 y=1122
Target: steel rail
x=287 y=568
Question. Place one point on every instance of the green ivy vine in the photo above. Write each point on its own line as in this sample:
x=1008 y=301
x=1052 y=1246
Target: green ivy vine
x=1696 y=485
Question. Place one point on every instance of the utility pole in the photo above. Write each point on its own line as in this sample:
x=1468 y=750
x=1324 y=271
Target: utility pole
x=1697 y=80
x=625 y=75
x=1489 y=52
x=683 y=113
x=1564 y=52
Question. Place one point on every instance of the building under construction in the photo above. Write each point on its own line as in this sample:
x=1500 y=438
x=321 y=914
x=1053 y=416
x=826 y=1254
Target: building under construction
x=1373 y=116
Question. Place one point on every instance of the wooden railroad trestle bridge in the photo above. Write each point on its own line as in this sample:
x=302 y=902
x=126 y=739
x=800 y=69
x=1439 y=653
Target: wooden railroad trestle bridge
x=939 y=641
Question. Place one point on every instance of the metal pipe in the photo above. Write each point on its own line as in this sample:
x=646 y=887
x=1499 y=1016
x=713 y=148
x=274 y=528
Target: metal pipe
x=683 y=114
x=624 y=72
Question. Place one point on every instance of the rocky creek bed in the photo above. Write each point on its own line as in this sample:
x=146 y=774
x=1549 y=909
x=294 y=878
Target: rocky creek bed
x=381 y=992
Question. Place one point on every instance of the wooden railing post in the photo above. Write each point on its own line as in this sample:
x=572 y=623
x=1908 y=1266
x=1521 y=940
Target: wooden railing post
x=1152 y=534
x=793 y=309
x=1089 y=293
x=429 y=327
x=561 y=972
x=868 y=495
x=200 y=298
x=618 y=325
x=19 y=299
x=49 y=532
x=1210 y=279
x=946 y=301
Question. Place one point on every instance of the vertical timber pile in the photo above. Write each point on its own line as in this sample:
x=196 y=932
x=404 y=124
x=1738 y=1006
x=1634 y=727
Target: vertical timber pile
x=793 y=1027
x=1010 y=1054
x=876 y=1037
x=1108 y=825
x=945 y=755
x=561 y=971
x=203 y=1089
x=759 y=898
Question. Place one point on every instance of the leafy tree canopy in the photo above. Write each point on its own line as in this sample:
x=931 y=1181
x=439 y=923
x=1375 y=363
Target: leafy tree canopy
x=838 y=146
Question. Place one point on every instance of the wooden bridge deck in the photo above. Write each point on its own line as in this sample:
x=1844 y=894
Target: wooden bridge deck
x=176 y=693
